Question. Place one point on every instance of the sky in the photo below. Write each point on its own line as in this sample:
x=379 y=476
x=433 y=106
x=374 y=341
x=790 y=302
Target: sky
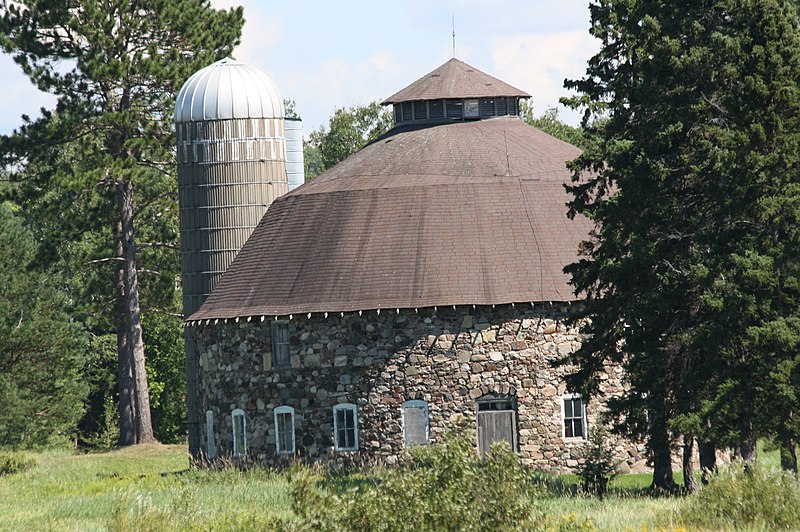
x=326 y=54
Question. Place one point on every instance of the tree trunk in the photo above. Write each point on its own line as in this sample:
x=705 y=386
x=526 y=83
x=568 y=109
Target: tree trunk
x=745 y=450
x=689 y=482
x=125 y=381
x=708 y=459
x=789 y=457
x=663 y=479
x=134 y=354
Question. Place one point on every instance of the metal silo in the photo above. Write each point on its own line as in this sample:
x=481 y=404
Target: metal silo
x=294 y=153
x=229 y=120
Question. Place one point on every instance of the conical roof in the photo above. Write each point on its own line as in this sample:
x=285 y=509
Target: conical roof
x=455 y=79
x=452 y=214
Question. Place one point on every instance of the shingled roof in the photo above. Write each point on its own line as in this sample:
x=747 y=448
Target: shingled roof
x=451 y=214
x=455 y=79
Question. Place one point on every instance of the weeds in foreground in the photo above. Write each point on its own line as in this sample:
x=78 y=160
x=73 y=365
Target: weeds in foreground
x=15 y=462
x=757 y=497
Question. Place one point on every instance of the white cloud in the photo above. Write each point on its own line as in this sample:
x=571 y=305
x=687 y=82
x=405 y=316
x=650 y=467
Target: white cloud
x=538 y=64
x=260 y=34
x=20 y=96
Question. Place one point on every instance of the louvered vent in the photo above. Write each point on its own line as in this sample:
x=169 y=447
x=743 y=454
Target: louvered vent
x=454 y=108
x=487 y=107
x=512 y=106
x=398 y=113
x=436 y=109
x=420 y=110
x=407 y=111
x=502 y=106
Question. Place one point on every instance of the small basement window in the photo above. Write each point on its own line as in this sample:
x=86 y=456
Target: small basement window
x=280 y=344
x=574 y=414
x=345 y=427
x=416 y=425
x=284 y=429
x=239 y=432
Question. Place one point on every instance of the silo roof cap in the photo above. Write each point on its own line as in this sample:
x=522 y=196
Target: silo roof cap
x=228 y=89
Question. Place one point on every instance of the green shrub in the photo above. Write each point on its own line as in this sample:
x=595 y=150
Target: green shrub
x=761 y=497
x=11 y=463
x=439 y=487
x=600 y=466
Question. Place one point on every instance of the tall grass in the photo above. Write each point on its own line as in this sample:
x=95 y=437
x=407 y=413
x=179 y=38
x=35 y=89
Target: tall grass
x=151 y=487
x=758 y=497
x=145 y=487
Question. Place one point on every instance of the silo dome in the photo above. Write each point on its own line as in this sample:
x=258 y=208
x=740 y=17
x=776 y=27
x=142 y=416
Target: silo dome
x=228 y=90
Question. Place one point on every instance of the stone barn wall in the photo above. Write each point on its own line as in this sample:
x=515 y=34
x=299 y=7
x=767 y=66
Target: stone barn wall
x=450 y=358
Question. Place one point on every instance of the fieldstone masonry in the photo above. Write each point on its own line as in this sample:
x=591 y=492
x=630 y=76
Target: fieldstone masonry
x=450 y=358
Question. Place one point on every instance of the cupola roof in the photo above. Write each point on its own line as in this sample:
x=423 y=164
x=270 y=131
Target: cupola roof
x=455 y=79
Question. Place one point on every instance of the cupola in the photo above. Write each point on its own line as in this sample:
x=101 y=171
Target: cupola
x=455 y=91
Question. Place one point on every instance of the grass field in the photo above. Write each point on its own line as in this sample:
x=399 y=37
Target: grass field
x=116 y=490
x=150 y=487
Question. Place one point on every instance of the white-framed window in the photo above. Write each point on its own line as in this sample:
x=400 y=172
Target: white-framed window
x=416 y=424
x=211 y=446
x=280 y=344
x=573 y=412
x=284 y=430
x=345 y=427
x=239 y=428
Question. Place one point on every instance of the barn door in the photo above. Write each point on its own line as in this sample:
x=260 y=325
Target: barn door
x=497 y=422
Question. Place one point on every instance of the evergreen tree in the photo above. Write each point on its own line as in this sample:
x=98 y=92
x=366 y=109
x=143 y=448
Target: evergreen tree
x=115 y=67
x=691 y=275
x=41 y=351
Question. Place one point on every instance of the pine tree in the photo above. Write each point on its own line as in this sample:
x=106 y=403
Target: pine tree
x=691 y=277
x=115 y=67
x=41 y=351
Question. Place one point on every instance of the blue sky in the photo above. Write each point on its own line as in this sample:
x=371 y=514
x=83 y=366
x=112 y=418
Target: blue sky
x=329 y=54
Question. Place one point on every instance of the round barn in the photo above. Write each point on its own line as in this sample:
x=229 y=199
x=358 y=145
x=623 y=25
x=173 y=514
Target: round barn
x=418 y=282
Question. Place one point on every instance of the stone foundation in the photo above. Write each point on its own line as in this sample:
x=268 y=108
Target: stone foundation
x=450 y=358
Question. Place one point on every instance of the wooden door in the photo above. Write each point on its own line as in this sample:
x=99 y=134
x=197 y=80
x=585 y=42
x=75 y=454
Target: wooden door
x=496 y=426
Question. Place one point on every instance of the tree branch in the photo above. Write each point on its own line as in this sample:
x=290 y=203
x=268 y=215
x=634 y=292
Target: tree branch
x=107 y=259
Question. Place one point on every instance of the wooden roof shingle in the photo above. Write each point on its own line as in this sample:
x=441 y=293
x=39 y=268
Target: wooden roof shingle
x=455 y=79
x=451 y=214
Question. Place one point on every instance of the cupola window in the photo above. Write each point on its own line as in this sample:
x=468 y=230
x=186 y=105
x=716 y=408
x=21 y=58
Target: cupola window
x=471 y=109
